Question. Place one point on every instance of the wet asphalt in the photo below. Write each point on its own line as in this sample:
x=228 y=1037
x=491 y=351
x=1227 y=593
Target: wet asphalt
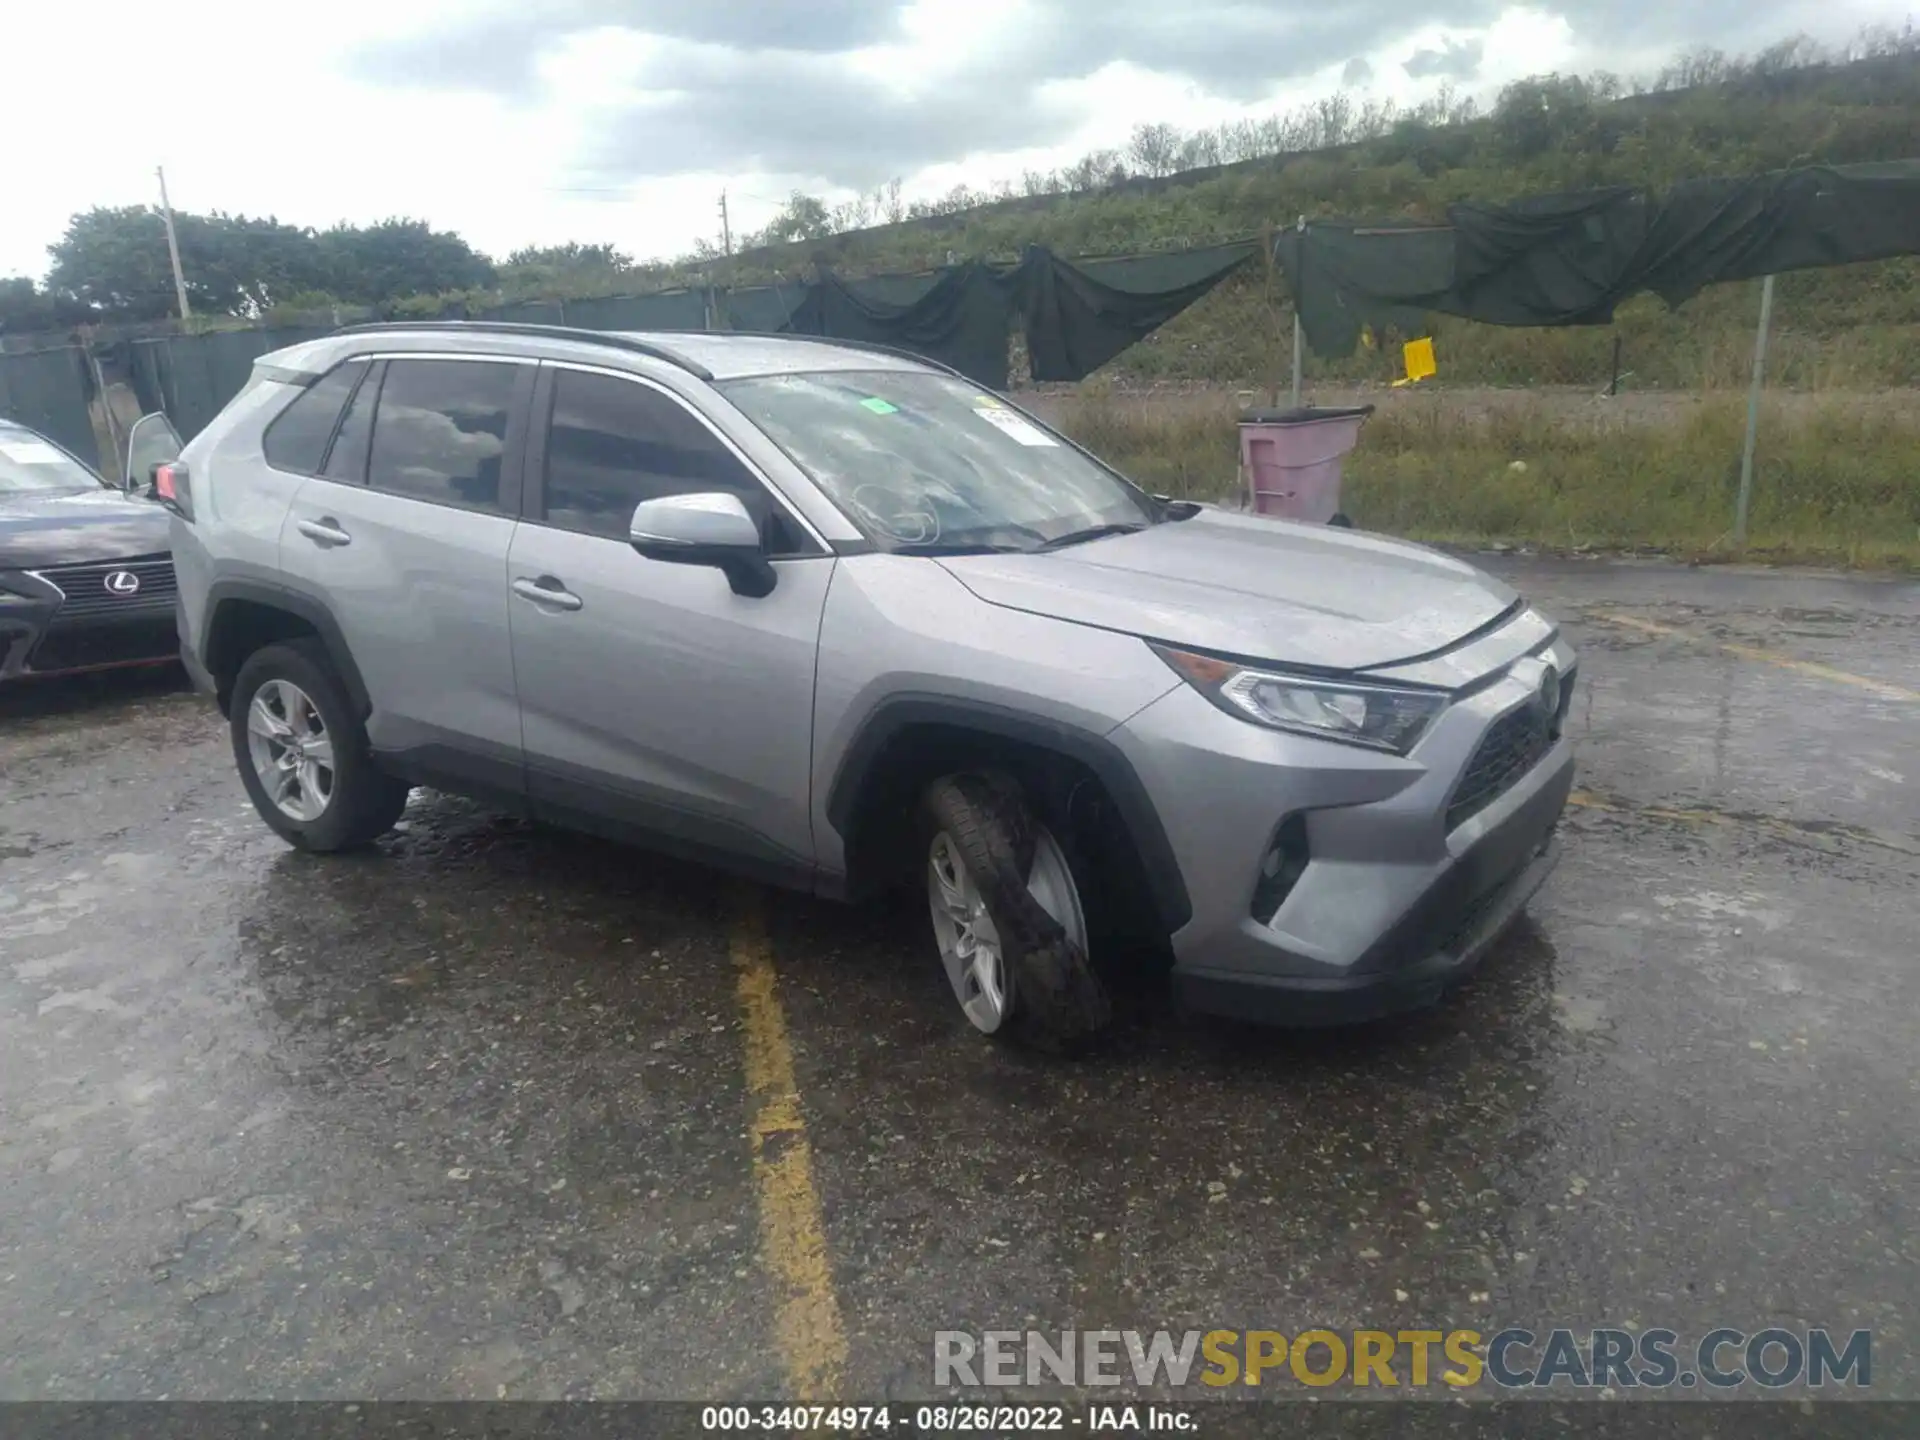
x=467 y=1116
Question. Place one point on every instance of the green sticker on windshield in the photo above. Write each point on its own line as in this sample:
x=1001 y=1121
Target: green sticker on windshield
x=879 y=406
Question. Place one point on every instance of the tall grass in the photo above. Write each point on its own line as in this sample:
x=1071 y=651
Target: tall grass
x=1834 y=481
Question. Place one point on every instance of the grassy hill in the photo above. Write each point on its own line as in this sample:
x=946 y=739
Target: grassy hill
x=1857 y=327
x=1514 y=443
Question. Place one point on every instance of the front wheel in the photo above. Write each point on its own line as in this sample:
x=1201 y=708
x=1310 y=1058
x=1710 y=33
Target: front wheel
x=1008 y=916
x=303 y=753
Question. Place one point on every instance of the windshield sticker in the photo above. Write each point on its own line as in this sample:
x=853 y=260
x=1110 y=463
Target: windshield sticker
x=879 y=406
x=1015 y=426
x=31 y=452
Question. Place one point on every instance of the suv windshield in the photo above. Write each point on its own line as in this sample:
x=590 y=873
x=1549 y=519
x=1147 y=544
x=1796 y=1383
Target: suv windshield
x=32 y=466
x=931 y=462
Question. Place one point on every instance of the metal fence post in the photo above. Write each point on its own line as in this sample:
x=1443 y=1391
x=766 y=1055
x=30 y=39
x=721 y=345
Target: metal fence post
x=1753 y=413
x=1300 y=227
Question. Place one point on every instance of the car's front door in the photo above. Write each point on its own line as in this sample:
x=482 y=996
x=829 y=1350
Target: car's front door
x=655 y=701
x=402 y=535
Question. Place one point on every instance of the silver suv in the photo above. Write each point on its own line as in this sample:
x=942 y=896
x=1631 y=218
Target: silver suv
x=838 y=618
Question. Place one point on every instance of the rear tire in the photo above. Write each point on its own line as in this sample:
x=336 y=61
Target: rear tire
x=303 y=753
x=993 y=872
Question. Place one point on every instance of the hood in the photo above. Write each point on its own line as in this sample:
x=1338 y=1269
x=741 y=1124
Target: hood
x=1309 y=595
x=73 y=529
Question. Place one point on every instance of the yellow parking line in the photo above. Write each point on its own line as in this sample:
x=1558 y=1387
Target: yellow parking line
x=793 y=1242
x=1882 y=688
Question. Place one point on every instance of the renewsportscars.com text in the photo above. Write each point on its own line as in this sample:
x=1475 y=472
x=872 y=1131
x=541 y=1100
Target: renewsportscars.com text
x=1509 y=1359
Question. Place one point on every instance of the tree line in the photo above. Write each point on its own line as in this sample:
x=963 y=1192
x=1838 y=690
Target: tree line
x=112 y=264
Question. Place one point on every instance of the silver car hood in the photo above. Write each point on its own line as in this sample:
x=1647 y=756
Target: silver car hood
x=1309 y=595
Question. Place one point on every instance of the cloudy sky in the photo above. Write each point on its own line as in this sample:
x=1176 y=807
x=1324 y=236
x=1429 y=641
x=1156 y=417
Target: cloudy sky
x=622 y=120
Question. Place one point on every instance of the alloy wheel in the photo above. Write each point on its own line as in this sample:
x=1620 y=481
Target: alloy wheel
x=292 y=752
x=971 y=947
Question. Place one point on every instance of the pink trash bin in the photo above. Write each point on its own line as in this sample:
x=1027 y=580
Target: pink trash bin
x=1291 y=460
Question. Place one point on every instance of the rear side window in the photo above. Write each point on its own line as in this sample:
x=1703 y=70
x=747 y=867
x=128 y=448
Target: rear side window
x=297 y=439
x=613 y=443
x=440 y=431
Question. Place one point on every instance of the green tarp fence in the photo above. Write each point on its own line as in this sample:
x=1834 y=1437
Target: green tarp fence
x=191 y=377
x=962 y=317
x=47 y=390
x=1080 y=314
x=1570 y=259
x=764 y=309
x=1077 y=315
x=668 y=310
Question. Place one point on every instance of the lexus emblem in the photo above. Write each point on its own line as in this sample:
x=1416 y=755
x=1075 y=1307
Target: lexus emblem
x=122 y=582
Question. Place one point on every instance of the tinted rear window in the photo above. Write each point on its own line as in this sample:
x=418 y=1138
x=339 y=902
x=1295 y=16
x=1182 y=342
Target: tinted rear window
x=440 y=432
x=297 y=439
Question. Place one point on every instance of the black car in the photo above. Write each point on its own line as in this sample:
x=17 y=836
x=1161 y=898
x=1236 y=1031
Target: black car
x=85 y=579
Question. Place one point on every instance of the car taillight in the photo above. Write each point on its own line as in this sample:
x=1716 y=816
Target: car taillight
x=173 y=488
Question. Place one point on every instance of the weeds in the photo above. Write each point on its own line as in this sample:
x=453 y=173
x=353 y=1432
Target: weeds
x=1835 y=480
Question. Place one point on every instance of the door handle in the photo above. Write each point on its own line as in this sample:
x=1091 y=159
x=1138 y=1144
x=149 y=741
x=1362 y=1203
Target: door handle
x=325 y=532
x=547 y=591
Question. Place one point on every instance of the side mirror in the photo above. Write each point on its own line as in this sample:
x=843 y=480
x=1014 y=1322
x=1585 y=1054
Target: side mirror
x=704 y=529
x=152 y=441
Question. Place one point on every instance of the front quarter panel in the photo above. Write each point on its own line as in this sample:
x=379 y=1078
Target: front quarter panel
x=898 y=626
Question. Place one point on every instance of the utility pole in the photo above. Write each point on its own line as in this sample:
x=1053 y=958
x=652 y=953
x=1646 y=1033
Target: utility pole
x=719 y=313
x=173 y=247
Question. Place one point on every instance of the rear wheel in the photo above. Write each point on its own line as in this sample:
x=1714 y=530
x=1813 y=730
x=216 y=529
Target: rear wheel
x=303 y=753
x=1008 y=915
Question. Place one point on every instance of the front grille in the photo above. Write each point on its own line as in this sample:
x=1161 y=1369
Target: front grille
x=78 y=647
x=88 y=598
x=1513 y=745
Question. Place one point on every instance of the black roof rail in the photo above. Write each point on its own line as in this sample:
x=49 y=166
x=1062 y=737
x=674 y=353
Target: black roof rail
x=611 y=338
x=621 y=340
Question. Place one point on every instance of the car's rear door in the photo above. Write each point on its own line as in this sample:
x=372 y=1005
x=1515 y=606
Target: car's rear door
x=656 y=703
x=403 y=536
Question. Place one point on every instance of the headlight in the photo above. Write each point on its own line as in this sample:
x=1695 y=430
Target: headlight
x=1382 y=717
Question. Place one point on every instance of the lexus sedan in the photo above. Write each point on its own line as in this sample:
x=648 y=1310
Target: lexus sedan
x=85 y=578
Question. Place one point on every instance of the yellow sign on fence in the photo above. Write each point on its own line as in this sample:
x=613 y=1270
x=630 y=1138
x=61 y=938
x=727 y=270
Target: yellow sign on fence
x=1418 y=355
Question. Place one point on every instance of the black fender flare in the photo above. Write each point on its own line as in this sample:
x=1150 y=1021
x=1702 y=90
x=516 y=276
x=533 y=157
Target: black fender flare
x=897 y=713
x=301 y=603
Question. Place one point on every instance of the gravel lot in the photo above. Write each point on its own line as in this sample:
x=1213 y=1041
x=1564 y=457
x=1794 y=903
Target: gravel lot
x=481 y=1113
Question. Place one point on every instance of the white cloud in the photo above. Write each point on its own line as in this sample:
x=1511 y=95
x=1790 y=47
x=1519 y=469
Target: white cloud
x=255 y=109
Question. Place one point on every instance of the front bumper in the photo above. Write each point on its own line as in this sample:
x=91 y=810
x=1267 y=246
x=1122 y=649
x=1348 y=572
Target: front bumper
x=1402 y=891
x=38 y=639
x=1438 y=943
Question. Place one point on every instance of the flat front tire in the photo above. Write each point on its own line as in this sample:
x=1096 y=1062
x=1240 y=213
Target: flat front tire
x=303 y=755
x=1008 y=916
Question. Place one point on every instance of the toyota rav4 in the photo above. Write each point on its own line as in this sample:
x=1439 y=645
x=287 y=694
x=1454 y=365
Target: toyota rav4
x=835 y=617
